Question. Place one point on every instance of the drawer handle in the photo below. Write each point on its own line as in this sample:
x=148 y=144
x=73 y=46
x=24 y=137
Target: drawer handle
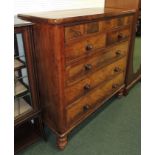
x=117 y=69
x=87 y=87
x=118 y=53
x=89 y=47
x=88 y=67
x=120 y=36
x=86 y=108
x=114 y=86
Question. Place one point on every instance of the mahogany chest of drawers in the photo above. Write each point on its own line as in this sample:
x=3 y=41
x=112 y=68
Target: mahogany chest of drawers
x=81 y=59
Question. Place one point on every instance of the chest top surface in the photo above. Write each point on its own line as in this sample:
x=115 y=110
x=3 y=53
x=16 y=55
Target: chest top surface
x=65 y=16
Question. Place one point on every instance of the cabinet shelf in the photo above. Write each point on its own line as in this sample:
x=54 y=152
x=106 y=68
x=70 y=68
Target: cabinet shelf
x=20 y=88
x=21 y=107
x=18 y=64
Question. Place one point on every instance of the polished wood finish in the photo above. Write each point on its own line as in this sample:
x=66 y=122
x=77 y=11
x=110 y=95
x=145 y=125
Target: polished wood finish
x=85 y=66
x=78 y=66
x=122 y=4
x=78 y=31
x=72 y=16
x=80 y=48
x=89 y=82
x=131 y=77
x=116 y=36
x=82 y=105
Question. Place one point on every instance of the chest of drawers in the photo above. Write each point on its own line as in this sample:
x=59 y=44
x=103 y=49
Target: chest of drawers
x=81 y=59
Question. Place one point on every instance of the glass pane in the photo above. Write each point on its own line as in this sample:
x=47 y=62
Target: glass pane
x=22 y=95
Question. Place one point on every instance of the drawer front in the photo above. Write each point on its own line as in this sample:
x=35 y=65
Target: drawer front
x=86 y=66
x=117 y=36
x=86 y=46
x=86 y=85
x=93 y=27
x=74 y=32
x=123 y=21
x=85 y=104
x=80 y=30
x=77 y=31
x=115 y=22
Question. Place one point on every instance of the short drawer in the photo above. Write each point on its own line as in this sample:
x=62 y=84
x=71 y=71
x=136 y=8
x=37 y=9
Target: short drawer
x=117 y=36
x=77 y=31
x=74 y=32
x=89 y=65
x=80 y=48
x=86 y=85
x=82 y=106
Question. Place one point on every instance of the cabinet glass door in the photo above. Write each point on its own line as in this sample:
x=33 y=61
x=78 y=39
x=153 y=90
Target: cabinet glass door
x=22 y=94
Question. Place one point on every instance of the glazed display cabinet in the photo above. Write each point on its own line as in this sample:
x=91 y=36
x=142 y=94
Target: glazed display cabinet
x=27 y=112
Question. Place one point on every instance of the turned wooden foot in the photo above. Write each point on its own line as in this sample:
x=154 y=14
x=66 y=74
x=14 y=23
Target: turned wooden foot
x=61 y=142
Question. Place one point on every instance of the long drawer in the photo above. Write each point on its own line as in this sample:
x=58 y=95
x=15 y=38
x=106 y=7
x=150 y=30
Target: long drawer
x=86 y=66
x=80 y=48
x=83 y=87
x=82 y=106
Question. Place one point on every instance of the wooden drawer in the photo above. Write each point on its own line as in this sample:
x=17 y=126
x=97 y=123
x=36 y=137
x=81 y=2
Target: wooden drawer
x=74 y=32
x=82 y=106
x=83 y=87
x=88 y=65
x=77 y=31
x=117 y=36
x=93 y=27
x=83 y=47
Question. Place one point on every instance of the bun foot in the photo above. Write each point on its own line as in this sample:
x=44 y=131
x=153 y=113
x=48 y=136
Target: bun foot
x=61 y=142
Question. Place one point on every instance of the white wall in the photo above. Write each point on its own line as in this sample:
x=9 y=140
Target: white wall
x=22 y=6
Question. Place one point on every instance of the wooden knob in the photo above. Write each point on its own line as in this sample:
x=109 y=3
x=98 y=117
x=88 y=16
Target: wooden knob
x=86 y=107
x=87 y=87
x=120 y=36
x=88 y=67
x=118 y=53
x=114 y=86
x=117 y=69
x=89 y=47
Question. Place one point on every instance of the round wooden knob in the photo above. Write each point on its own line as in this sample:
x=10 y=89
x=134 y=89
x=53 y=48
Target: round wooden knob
x=88 y=67
x=117 y=69
x=86 y=107
x=120 y=36
x=114 y=86
x=118 y=53
x=89 y=47
x=87 y=87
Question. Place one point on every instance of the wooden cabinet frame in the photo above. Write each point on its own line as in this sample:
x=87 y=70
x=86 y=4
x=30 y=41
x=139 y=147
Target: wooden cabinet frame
x=28 y=127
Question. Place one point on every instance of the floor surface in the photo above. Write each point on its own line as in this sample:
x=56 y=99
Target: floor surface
x=114 y=130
